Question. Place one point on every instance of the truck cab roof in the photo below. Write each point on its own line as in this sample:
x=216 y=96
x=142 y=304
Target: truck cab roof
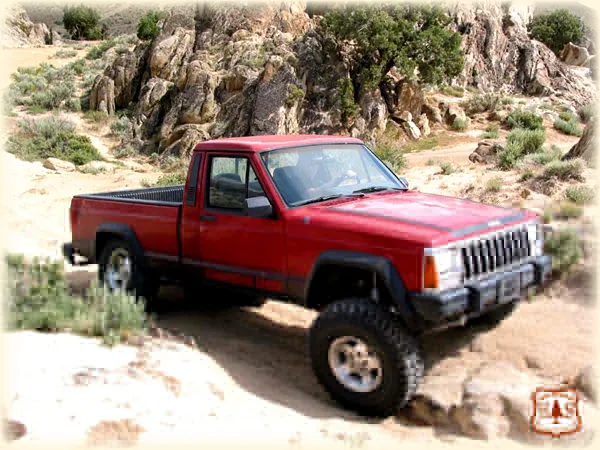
x=271 y=142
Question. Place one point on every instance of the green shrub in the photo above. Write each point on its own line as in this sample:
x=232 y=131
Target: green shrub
x=37 y=140
x=482 y=103
x=64 y=53
x=295 y=94
x=568 y=210
x=567 y=116
x=509 y=156
x=529 y=141
x=148 y=27
x=402 y=36
x=586 y=112
x=98 y=117
x=98 y=51
x=565 y=248
x=453 y=91
x=564 y=170
x=83 y=22
x=494 y=184
x=447 y=168
x=39 y=299
x=492 y=131
x=540 y=159
x=78 y=66
x=579 y=194
x=432 y=162
x=520 y=118
x=557 y=29
x=528 y=174
x=124 y=151
x=168 y=179
x=460 y=124
x=347 y=105
x=121 y=128
x=389 y=152
x=508 y=100
x=570 y=127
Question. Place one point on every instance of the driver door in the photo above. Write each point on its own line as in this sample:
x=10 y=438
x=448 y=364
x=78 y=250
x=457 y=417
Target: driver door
x=235 y=248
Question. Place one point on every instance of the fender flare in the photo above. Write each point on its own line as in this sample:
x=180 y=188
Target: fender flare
x=124 y=232
x=386 y=271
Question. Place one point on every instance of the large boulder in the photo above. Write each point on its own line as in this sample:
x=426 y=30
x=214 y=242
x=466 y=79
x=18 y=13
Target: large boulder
x=126 y=72
x=102 y=96
x=275 y=105
x=486 y=152
x=574 y=55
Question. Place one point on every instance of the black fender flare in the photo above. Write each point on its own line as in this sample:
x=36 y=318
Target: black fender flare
x=385 y=270
x=125 y=232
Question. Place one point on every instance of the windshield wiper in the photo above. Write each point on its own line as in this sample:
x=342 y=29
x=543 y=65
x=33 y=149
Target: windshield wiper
x=376 y=189
x=328 y=197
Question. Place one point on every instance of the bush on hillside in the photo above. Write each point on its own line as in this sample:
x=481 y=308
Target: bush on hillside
x=37 y=140
x=407 y=37
x=148 y=27
x=83 y=22
x=557 y=29
x=39 y=299
x=524 y=119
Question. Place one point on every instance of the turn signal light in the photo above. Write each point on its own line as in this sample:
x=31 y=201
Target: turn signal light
x=431 y=279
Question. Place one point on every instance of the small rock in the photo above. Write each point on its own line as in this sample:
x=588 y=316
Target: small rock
x=59 y=165
x=411 y=130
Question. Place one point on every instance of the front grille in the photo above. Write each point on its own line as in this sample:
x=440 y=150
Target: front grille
x=491 y=253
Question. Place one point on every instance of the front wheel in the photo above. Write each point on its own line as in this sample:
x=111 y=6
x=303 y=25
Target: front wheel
x=364 y=358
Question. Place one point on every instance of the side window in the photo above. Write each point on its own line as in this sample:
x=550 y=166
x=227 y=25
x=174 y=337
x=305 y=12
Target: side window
x=231 y=181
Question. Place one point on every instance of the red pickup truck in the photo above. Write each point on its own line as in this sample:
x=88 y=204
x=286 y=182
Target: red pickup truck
x=322 y=222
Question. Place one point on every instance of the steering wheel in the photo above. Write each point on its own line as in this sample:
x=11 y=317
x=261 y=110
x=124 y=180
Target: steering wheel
x=349 y=174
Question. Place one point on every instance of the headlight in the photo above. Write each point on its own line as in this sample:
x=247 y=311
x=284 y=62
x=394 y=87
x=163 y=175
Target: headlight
x=443 y=268
x=535 y=235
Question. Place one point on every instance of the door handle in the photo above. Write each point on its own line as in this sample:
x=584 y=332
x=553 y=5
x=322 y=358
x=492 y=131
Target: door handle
x=208 y=218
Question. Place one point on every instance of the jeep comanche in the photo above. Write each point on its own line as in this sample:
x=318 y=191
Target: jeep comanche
x=322 y=222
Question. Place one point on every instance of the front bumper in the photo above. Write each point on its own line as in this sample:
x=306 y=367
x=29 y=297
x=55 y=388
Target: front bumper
x=479 y=297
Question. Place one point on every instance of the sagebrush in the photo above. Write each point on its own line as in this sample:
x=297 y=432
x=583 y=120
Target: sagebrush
x=40 y=299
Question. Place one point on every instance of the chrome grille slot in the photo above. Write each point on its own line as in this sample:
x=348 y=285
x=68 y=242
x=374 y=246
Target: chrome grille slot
x=494 y=252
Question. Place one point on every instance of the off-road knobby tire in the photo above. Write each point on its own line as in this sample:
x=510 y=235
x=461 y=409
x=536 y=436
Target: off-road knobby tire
x=397 y=350
x=143 y=283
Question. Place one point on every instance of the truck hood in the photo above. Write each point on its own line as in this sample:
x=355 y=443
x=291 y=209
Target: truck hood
x=457 y=217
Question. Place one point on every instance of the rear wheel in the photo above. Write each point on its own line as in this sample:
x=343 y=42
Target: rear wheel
x=364 y=358
x=119 y=269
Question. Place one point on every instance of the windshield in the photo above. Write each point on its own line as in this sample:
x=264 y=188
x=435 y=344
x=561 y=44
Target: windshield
x=320 y=172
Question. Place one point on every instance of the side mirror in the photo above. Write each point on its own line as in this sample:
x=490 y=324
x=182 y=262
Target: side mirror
x=258 y=207
x=404 y=180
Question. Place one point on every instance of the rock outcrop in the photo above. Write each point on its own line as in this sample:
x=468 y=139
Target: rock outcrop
x=223 y=70
x=20 y=31
x=492 y=401
x=499 y=55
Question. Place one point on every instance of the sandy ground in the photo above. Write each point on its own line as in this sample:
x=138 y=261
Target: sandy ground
x=250 y=377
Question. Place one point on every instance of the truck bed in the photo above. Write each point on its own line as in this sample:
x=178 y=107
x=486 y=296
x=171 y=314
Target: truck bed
x=153 y=214
x=164 y=195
